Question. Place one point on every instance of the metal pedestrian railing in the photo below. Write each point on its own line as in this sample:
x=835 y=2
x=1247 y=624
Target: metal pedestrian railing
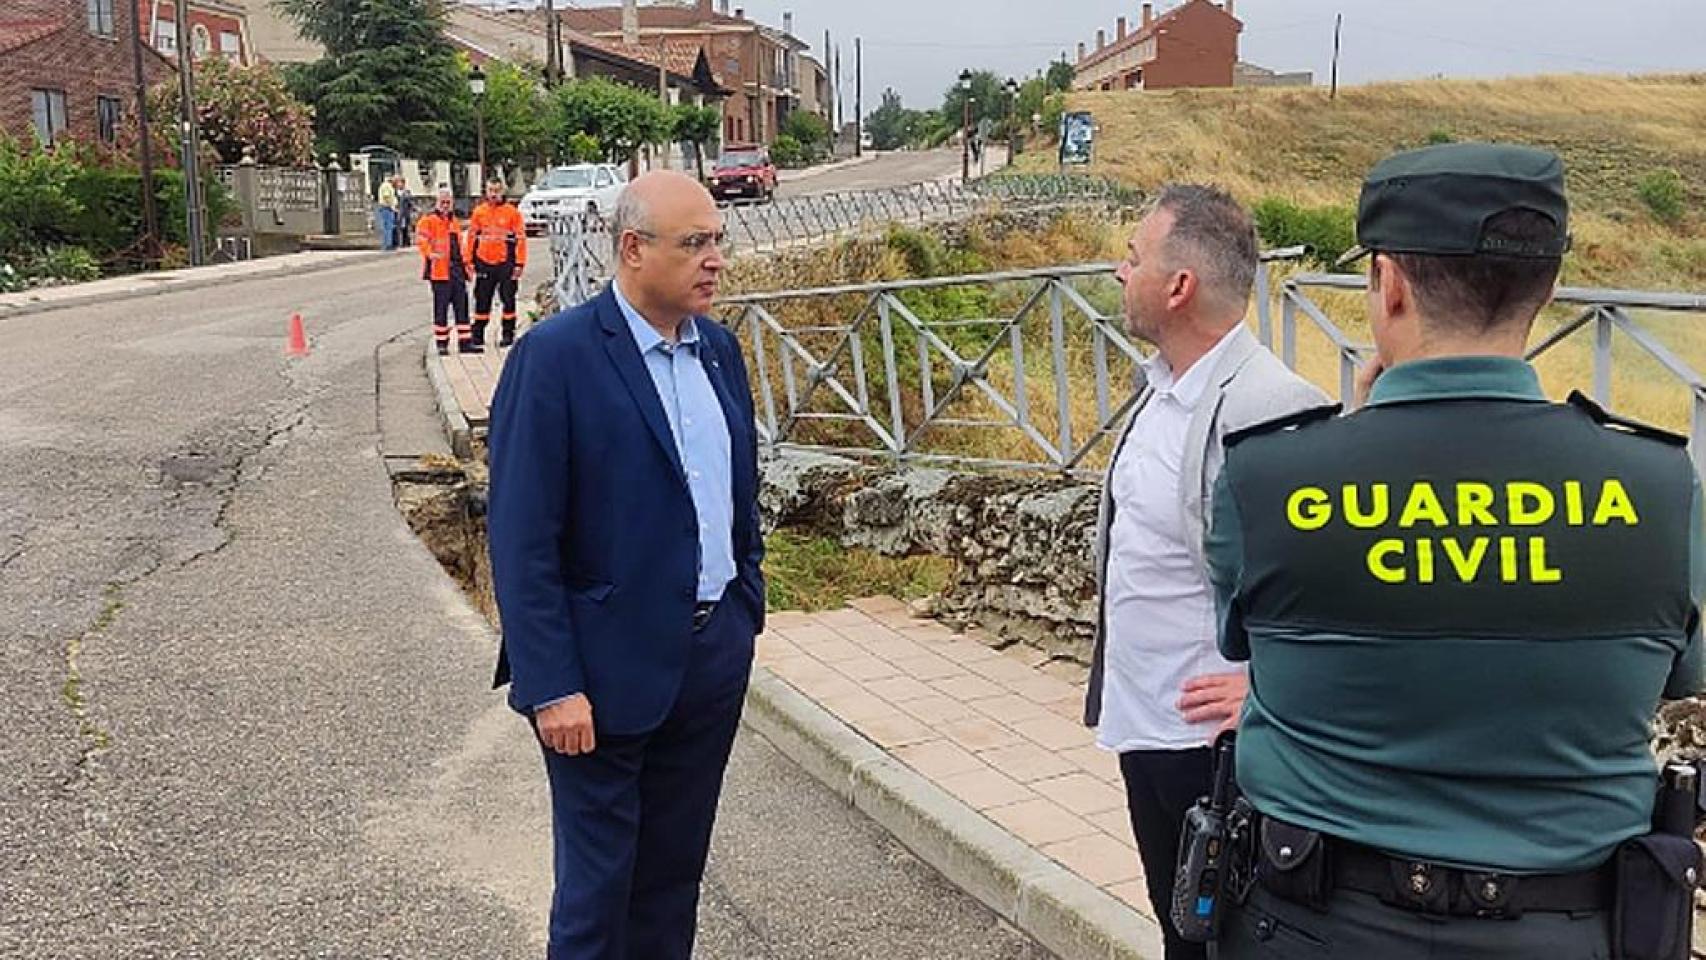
x=582 y=256
x=1636 y=314
x=1028 y=369
x=581 y=245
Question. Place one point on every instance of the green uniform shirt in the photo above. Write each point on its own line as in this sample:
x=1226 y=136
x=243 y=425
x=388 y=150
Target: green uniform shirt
x=1461 y=606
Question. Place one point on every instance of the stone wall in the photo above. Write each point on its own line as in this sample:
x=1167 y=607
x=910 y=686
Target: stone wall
x=1023 y=545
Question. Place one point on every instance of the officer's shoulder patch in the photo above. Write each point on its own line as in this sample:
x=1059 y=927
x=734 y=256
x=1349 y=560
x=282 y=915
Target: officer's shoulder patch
x=1612 y=421
x=1289 y=421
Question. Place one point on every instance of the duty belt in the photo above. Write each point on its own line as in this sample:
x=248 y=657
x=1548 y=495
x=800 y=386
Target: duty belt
x=1430 y=888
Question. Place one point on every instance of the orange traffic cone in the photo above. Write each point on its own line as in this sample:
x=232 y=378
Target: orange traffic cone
x=297 y=343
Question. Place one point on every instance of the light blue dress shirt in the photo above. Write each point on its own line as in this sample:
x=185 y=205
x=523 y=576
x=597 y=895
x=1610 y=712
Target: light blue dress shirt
x=701 y=439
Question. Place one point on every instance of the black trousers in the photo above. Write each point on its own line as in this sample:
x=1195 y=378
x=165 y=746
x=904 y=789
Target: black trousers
x=1358 y=925
x=489 y=280
x=448 y=295
x=632 y=820
x=1160 y=786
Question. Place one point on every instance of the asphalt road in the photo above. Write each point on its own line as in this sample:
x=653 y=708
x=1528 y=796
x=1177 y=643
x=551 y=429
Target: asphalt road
x=887 y=170
x=245 y=713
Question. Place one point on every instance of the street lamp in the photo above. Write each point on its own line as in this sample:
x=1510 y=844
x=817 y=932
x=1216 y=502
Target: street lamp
x=965 y=125
x=1012 y=123
x=477 y=84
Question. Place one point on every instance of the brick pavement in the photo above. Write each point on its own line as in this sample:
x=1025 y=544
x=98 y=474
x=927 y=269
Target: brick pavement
x=989 y=727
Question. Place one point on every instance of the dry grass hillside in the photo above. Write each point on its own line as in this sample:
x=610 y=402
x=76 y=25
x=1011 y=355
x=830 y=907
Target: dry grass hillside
x=1298 y=145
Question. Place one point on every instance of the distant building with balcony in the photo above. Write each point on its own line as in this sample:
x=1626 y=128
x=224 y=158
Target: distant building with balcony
x=1194 y=44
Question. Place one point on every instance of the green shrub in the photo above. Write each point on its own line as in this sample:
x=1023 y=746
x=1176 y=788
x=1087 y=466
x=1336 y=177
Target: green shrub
x=1439 y=136
x=787 y=152
x=582 y=147
x=1327 y=231
x=1662 y=192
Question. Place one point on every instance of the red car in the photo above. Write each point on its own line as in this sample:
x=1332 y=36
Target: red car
x=743 y=171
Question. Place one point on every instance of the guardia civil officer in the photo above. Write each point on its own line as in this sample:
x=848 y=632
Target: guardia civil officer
x=1460 y=606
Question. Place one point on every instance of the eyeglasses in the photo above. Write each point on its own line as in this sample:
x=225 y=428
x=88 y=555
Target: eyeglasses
x=696 y=242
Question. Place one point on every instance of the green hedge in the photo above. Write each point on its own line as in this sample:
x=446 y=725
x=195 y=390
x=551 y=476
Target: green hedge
x=1327 y=231
x=72 y=213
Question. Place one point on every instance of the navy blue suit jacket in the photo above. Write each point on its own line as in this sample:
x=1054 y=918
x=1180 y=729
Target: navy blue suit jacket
x=594 y=538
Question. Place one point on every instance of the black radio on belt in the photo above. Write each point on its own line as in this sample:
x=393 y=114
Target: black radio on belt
x=1205 y=853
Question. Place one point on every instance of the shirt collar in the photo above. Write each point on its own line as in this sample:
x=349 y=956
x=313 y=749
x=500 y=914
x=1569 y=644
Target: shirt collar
x=646 y=335
x=1188 y=389
x=1458 y=378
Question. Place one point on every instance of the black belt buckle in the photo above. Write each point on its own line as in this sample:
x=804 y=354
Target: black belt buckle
x=702 y=615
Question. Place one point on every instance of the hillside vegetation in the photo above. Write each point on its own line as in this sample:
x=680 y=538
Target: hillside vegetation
x=1621 y=138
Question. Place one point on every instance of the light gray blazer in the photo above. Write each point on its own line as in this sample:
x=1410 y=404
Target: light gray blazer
x=1248 y=386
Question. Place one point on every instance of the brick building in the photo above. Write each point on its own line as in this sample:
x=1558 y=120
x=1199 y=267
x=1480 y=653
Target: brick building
x=759 y=65
x=66 y=68
x=217 y=28
x=1192 y=45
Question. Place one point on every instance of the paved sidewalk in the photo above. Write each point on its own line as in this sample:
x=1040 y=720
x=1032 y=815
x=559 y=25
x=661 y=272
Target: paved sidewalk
x=188 y=278
x=998 y=731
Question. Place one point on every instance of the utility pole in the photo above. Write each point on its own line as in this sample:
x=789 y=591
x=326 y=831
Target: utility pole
x=834 y=131
x=191 y=134
x=150 y=219
x=839 y=111
x=858 y=96
x=1338 y=29
x=552 y=47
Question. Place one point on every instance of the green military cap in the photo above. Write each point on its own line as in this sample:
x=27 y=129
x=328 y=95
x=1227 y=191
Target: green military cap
x=1437 y=200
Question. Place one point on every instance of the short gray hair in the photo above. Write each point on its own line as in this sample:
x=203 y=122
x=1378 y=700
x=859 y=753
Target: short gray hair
x=631 y=213
x=1212 y=235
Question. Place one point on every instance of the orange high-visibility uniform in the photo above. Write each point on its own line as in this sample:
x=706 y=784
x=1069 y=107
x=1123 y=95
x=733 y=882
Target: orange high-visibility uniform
x=442 y=241
x=445 y=261
x=497 y=235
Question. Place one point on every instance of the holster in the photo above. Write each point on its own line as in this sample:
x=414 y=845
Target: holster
x=1294 y=864
x=1653 y=909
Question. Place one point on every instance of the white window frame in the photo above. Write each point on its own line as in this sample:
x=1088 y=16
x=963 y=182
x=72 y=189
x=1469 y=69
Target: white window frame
x=101 y=22
x=234 y=50
x=201 y=41
x=42 y=103
x=166 y=36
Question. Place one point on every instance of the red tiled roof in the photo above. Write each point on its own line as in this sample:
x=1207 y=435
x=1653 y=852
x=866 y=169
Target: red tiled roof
x=19 y=33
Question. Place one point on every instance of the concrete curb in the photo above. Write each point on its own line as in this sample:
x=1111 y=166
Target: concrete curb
x=1060 y=910
x=812 y=172
x=201 y=278
x=456 y=428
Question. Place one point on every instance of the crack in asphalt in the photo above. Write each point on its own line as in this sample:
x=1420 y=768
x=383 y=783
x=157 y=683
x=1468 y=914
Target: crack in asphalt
x=752 y=936
x=93 y=739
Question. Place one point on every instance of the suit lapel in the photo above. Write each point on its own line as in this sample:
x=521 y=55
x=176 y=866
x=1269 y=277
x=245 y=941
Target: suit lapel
x=625 y=355
x=1200 y=435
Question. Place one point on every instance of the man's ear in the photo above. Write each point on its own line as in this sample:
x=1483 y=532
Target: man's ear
x=1181 y=289
x=628 y=248
x=1394 y=286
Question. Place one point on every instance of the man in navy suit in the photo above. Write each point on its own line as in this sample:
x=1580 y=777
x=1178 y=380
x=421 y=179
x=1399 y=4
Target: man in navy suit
x=626 y=550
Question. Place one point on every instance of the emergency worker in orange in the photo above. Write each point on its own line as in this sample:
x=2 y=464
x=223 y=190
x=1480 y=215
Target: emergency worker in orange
x=499 y=241
x=447 y=261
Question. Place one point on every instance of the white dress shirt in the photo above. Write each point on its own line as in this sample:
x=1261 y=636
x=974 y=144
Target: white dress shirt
x=1159 y=606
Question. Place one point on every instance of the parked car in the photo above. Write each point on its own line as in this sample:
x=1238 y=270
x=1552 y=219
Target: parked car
x=743 y=171
x=578 y=187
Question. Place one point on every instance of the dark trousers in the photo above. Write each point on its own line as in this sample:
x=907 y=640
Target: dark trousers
x=489 y=280
x=1160 y=786
x=1358 y=925
x=448 y=295
x=632 y=820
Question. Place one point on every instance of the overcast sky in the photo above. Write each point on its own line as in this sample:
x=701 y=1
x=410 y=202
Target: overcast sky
x=919 y=46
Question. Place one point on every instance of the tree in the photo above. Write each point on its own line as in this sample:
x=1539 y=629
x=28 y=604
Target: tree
x=388 y=76
x=892 y=126
x=1060 y=75
x=517 y=115
x=239 y=107
x=700 y=126
x=810 y=130
x=621 y=118
x=990 y=101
